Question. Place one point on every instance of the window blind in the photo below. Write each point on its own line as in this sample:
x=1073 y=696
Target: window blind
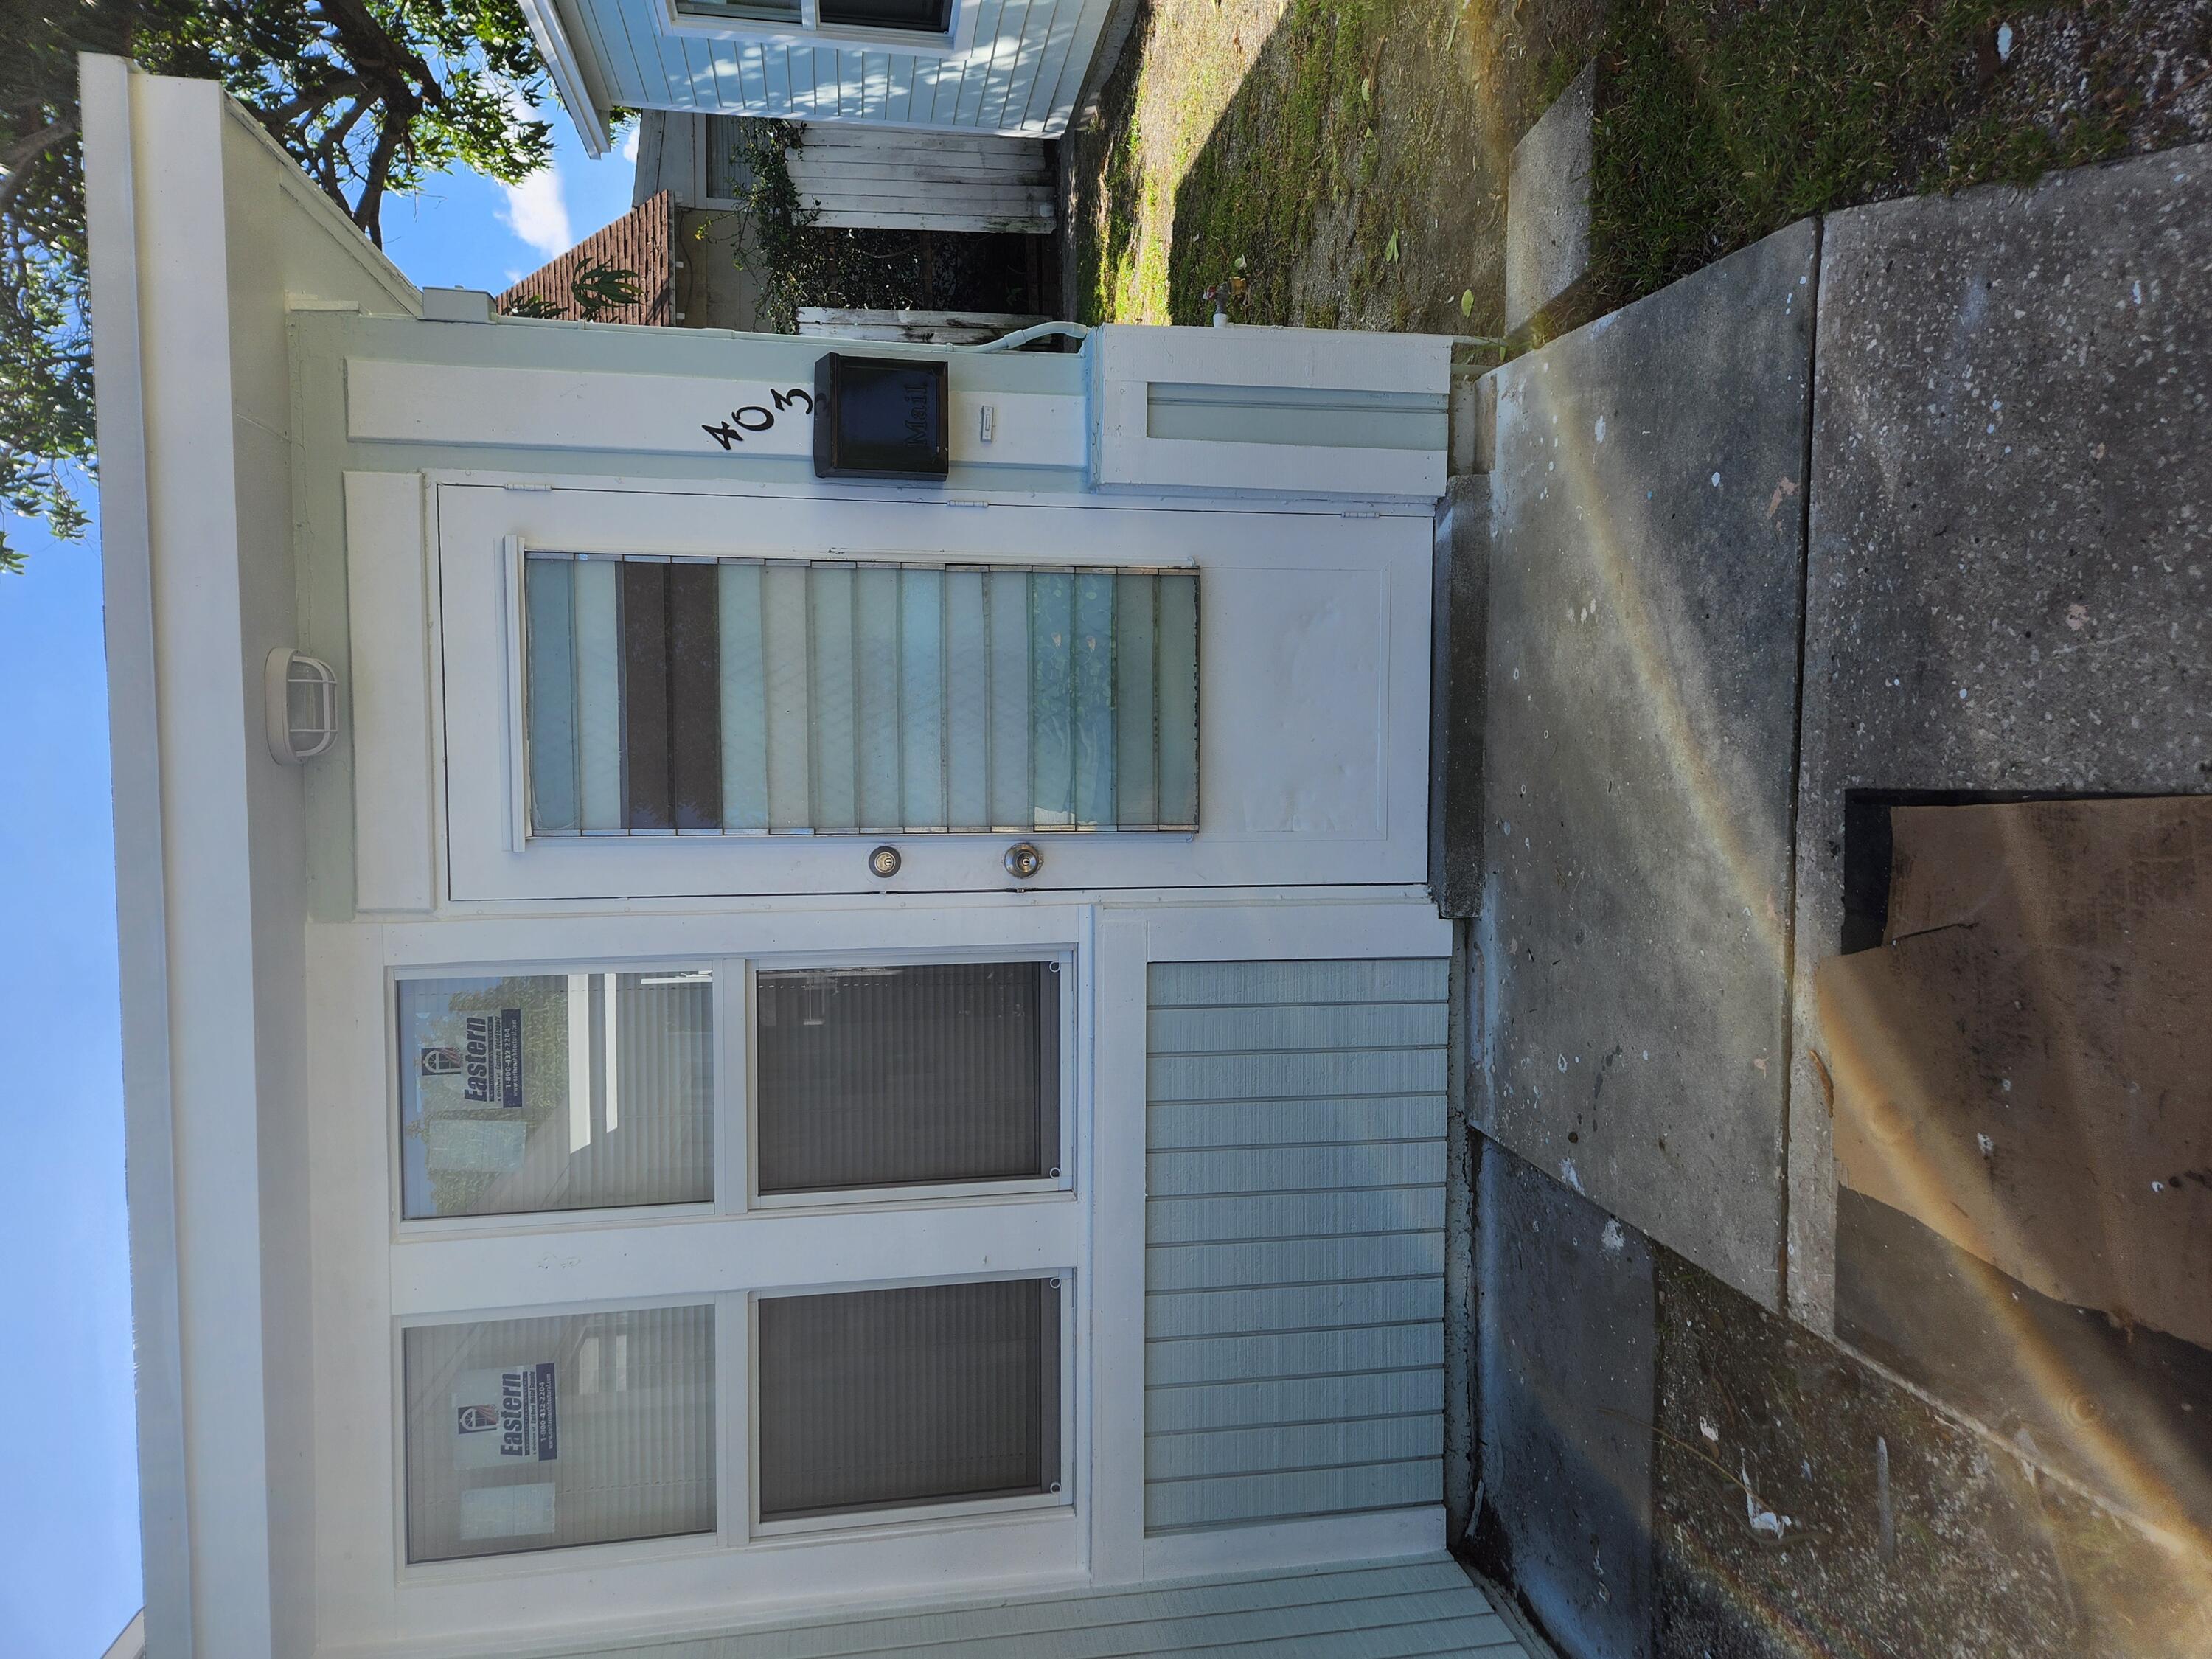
x=761 y=697
x=893 y=1077
x=872 y=1400
x=530 y=1434
x=556 y=1091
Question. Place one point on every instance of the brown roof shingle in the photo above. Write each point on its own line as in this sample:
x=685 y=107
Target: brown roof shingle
x=642 y=240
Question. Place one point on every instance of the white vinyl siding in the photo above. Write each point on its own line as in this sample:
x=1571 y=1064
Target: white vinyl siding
x=1019 y=74
x=1294 y=1260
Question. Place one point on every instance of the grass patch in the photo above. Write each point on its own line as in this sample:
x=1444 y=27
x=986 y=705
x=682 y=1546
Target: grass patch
x=1719 y=122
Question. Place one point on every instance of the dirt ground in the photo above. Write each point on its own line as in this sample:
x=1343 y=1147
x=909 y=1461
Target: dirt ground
x=1342 y=163
x=1352 y=157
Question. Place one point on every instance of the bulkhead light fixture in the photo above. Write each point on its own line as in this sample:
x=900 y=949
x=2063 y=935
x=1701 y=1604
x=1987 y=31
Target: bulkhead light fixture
x=302 y=703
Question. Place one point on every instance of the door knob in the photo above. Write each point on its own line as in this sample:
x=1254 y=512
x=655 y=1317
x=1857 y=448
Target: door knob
x=1023 y=861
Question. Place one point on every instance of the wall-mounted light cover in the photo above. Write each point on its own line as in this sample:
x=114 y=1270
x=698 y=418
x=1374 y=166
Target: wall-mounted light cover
x=302 y=702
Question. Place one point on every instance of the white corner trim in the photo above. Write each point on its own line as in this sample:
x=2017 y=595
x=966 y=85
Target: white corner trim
x=544 y=17
x=1325 y=1540
x=132 y=1644
x=142 y=904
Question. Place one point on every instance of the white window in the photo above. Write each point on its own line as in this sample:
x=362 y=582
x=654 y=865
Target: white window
x=765 y=1095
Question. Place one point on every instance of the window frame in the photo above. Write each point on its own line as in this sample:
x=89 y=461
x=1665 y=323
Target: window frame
x=869 y=1522
x=677 y=20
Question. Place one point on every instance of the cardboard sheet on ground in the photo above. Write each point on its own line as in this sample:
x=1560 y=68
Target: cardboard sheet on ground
x=2024 y=1065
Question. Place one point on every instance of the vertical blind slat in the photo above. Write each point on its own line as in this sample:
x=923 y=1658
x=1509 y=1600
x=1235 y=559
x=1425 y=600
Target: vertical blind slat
x=1092 y=646
x=1009 y=595
x=785 y=631
x=921 y=701
x=694 y=700
x=1177 y=652
x=1052 y=698
x=876 y=609
x=837 y=754
x=549 y=591
x=1136 y=722
x=644 y=723
x=966 y=702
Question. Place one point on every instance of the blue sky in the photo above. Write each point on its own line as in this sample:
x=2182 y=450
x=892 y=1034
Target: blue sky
x=68 y=1529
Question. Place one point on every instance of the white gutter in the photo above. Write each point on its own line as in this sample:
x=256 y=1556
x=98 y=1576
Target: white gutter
x=544 y=17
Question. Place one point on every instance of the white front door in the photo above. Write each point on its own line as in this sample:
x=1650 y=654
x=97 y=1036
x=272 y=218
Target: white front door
x=669 y=692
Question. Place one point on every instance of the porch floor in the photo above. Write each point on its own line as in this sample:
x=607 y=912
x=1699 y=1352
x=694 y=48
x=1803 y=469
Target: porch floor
x=1400 y=1609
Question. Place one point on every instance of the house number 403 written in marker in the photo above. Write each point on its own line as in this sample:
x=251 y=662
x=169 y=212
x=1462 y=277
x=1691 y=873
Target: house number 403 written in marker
x=755 y=419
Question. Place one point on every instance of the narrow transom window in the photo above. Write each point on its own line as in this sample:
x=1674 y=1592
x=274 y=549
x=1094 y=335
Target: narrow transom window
x=886 y=1400
x=751 y=697
x=908 y=1076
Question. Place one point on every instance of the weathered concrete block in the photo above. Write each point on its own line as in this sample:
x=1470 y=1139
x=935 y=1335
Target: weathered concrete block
x=2009 y=559
x=1548 y=205
x=1565 y=1309
x=1459 y=625
x=1646 y=549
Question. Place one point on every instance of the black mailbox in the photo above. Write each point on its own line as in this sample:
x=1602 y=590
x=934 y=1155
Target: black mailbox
x=881 y=417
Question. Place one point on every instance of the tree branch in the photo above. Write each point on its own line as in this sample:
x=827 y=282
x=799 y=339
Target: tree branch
x=15 y=159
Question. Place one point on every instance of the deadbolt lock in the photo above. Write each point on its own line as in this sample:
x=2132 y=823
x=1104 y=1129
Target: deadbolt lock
x=1023 y=861
x=883 y=862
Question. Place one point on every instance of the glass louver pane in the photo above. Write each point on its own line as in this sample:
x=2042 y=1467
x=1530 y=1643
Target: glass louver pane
x=1177 y=651
x=783 y=603
x=531 y=1434
x=599 y=694
x=921 y=701
x=556 y=1091
x=928 y=1393
x=1136 y=724
x=695 y=700
x=876 y=611
x=835 y=764
x=744 y=701
x=966 y=702
x=1092 y=646
x=1008 y=593
x=645 y=724
x=1052 y=698
x=550 y=592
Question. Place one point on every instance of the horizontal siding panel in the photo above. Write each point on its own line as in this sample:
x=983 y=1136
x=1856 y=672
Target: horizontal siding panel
x=1184 y=984
x=1343 y=1025
x=1227 y=1359
x=1179 y=1125
x=1294 y=1215
x=1309 y=1446
x=1192 y=1315
x=1292 y=1262
x=1301 y=1400
x=1294 y=1169
x=1282 y=1076
x=1174 y=1505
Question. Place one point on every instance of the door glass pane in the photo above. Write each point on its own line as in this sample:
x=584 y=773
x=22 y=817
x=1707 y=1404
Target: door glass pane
x=902 y=1076
x=734 y=697
x=556 y=1091
x=872 y=1400
x=533 y=1434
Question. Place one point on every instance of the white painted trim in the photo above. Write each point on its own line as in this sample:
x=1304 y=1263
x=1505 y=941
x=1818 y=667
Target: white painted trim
x=324 y=216
x=1117 y=1334
x=142 y=905
x=1327 y=1540
x=1244 y=933
x=388 y=696
x=559 y=51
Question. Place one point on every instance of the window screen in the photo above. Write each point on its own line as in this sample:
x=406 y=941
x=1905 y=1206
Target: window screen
x=929 y=16
x=873 y=1400
x=556 y=1091
x=741 y=697
x=908 y=1076
x=531 y=1434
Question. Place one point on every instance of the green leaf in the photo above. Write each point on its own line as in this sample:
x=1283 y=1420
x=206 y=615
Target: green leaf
x=1467 y=303
x=1390 y=253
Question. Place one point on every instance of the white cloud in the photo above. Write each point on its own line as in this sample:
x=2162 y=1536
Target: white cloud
x=538 y=213
x=629 y=144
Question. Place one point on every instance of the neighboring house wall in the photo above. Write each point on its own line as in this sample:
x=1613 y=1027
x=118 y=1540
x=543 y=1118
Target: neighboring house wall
x=1294 y=1232
x=1018 y=71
